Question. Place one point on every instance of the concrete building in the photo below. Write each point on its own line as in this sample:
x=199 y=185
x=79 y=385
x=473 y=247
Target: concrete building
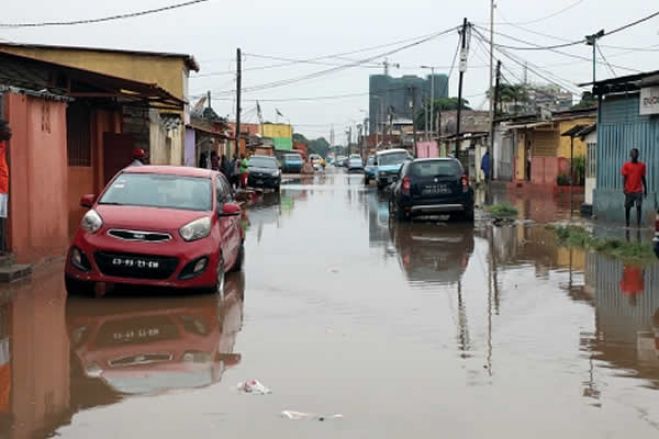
x=280 y=134
x=396 y=98
x=67 y=141
x=628 y=118
x=163 y=136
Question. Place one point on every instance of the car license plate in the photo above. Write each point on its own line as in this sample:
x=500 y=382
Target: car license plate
x=136 y=263
x=131 y=334
x=436 y=189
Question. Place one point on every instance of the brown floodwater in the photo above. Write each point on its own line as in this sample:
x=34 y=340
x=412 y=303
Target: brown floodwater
x=429 y=329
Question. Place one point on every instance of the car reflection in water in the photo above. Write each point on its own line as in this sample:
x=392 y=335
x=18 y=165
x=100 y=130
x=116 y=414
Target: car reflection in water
x=151 y=345
x=433 y=253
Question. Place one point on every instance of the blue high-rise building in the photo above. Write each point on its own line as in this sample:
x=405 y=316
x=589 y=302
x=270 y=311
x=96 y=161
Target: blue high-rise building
x=393 y=97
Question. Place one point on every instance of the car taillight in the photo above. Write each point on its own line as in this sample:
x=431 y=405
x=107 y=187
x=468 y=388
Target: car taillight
x=465 y=183
x=407 y=185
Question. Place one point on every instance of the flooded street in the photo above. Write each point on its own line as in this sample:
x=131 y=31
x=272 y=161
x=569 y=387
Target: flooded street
x=422 y=329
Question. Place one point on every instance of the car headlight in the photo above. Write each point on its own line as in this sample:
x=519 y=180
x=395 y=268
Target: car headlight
x=91 y=222
x=93 y=370
x=275 y=174
x=195 y=230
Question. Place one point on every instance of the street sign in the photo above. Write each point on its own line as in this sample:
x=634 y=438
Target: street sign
x=649 y=101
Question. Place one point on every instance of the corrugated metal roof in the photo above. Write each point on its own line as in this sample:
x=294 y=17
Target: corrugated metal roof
x=44 y=76
x=189 y=59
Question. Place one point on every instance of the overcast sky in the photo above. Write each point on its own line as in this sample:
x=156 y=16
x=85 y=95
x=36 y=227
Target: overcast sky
x=308 y=28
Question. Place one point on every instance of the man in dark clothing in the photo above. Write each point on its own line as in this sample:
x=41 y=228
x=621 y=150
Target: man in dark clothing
x=485 y=165
x=635 y=185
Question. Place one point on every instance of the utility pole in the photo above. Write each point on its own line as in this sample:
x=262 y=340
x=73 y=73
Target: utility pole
x=413 y=105
x=495 y=105
x=432 y=102
x=239 y=82
x=591 y=40
x=492 y=104
x=464 y=55
x=431 y=106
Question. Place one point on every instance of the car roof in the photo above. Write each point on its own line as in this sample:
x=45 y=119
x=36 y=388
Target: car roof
x=259 y=156
x=182 y=171
x=435 y=159
x=391 y=151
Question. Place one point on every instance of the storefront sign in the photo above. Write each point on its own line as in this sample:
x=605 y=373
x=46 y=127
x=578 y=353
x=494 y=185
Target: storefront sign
x=649 y=101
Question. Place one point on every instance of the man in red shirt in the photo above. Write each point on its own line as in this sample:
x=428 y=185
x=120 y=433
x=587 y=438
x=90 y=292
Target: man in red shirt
x=636 y=187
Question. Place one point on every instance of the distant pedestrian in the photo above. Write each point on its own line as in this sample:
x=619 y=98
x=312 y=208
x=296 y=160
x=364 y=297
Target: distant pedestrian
x=5 y=136
x=215 y=161
x=139 y=157
x=486 y=165
x=307 y=168
x=244 y=171
x=635 y=186
x=227 y=167
x=235 y=174
x=203 y=160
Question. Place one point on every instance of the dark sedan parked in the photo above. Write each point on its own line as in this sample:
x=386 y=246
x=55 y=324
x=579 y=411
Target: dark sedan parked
x=432 y=187
x=263 y=172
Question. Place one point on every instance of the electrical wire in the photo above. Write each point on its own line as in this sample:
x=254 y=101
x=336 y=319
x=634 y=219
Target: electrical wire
x=103 y=19
x=325 y=72
x=547 y=17
x=632 y=24
x=613 y=72
x=566 y=84
x=560 y=52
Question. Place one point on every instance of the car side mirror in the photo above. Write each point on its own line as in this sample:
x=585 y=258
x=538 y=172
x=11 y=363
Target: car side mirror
x=87 y=201
x=230 y=209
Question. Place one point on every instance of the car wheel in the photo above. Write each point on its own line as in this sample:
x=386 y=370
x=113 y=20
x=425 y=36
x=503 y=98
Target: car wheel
x=75 y=287
x=239 y=261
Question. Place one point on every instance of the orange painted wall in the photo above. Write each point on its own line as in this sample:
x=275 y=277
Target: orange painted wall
x=38 y=213
x=89 y=179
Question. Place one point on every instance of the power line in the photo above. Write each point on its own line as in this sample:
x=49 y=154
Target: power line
x=325 y=72
x=566 y=83
x=547 y=17
x=578 y=42
x=613 y=72
x=632 y=24
x=560 y=52
x=103 y=19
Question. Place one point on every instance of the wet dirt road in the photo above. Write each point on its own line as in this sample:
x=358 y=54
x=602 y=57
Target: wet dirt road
x=412 y=330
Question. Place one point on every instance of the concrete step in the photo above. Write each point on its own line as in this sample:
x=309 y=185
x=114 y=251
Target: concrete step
x=7 y=260
x=14 y=272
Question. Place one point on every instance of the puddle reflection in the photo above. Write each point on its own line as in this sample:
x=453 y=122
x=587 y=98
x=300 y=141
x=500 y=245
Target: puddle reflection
x=139 y=346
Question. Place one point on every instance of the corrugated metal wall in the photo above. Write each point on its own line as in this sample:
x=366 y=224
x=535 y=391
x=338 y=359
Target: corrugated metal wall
x=621 y=128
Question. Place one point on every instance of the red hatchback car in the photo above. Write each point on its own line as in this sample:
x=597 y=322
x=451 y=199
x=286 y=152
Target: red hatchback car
x=159 y=226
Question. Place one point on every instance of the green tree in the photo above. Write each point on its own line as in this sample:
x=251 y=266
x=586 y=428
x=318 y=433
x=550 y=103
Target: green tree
x=587 y=101
x=319 y=146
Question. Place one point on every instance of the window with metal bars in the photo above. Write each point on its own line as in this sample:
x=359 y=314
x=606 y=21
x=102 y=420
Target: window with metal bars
x=78 y=132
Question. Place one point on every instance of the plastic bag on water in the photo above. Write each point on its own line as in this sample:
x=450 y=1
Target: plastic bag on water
x=253 y=387
x=297 y=416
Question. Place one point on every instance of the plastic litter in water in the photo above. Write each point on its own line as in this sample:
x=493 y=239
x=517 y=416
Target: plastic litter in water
x=253 y=387
x=297 y=416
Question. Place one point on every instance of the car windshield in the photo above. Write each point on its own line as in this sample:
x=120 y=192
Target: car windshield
x=293 y=157
x=158 y=190
x=262 y=162
x=393 y=158
x=435 y=168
